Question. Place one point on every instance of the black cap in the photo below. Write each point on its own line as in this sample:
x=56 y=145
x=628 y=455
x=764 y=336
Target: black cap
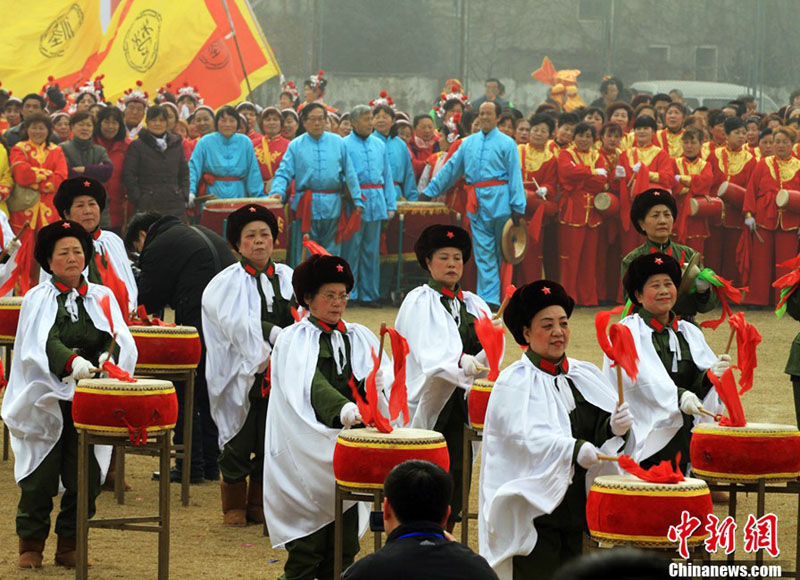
x=317 y=270
x=50 y=234
x=76 y=186
x=530 y=299
x=648 y=265
x=252 y=212
x=643 y=202
x=442 y=236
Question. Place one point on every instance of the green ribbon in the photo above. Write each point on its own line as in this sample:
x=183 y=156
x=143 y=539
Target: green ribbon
x=627 y=309
x=783 y=301
x=709 y=276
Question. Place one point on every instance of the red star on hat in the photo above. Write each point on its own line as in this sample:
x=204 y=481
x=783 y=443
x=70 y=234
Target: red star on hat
x=252 y=209
x=87 y=183
x=65 y=225
x=656 y=193
x=659 y=261
x=339 y=268
x=545 y=290
x=450 y=235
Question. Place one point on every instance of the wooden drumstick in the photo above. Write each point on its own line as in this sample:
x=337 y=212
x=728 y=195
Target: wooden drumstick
x=26 y=225
x=619 y=384
x=707 y=413
x=604 y=457
x=760 y=239
x=536 y=183
x=482 y=369
x=306 y=237
x=502 y=308
x=383 y=340
x=730 y=340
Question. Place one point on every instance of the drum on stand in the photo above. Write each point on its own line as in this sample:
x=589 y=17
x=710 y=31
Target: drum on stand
x=478 y=401
x=9 y=316
x=166 y=348
x=216 y=212
x=414 y=217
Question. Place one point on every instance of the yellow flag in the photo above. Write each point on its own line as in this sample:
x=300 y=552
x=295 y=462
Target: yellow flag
x=53 y=37
x=152 y=41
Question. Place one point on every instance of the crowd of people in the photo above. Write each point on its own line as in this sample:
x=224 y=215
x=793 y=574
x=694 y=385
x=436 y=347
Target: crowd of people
x=640 y=189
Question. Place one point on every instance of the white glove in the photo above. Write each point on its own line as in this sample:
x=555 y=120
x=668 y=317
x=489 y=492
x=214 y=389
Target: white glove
x=12 y=246
x=637 y=166
x=349 y=415
x=621 y=420
x=497 y=322
x=690 y=404
x=81 y=368
x=274 y=334
x=750 y=222
x=276 y=196
x=469 y=364
x=701 y=286
x=190 y=203
x=542 y=192
x=677 y=179
x=722 y=364
x=602 y=172
x=390 y=213
x=103 y=358
x=587 y=455
x=619 y=172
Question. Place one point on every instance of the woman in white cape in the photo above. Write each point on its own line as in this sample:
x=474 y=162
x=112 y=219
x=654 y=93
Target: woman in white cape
x=548 y=418
x=314 y=367
x=245 y=307
x=438 y=321
x=671 y=385
x=63 y=333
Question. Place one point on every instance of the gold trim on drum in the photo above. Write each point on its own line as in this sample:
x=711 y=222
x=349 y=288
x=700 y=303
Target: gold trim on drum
x=163 y=330
x=644 y=539
x=123 y=431
x=360 y=485
x=164 y=367
x=394 y=446
x=747 y=477
x=125 y=392
x=731 y=433
x=673 y=492
x=7 y=337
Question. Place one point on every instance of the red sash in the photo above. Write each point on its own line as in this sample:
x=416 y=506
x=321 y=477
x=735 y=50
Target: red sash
x=304 y=208
x=472 y=198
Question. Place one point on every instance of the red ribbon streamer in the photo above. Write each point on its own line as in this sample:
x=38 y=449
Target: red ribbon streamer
x=315 y=248
x=663 y=472
x=747 y=339
x=726 y=293
x=398 y=398
x=726 y=389
x=380 y=422
x=618 y=345
x=491 y=339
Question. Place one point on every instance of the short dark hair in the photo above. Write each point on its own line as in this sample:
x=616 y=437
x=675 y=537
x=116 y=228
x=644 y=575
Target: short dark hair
x=80 y=116
x=690 y=134
x=34 y=97
x=610 y=128
x=492 y=80
x=716 y=117
x=156 y=112
x=140 y=222
x=108 y=113
x=39 y=118
x=753 y=119
x=568 y=119
x=627 y=563
x=645 y=121
x=608 y=82
x=733 y=123
x=418 y=491
x=311 y=107
x=506 y=116
x=419 y=118
x=593 y=110
x=230 y=112
x=739 y=106
x=543 y=118
x=385 y=108
x=583 y=127
x=746 y=99
x=765 y=133
x=82 y=96
x=661 y=97
x=676 y=105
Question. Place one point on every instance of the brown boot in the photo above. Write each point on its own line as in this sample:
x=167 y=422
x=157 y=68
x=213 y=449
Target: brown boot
x=30 y=553
x=65 y=552
x=255 y=502
x=234 y=503
x=111 y=476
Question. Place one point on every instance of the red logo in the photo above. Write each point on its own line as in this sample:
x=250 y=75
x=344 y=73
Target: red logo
x=339 y=268
x=87 y=183
x=659 y=261
x=545 y=290
x=252 y=209
x=682 y=532
x=450 y=235
x=65 y=225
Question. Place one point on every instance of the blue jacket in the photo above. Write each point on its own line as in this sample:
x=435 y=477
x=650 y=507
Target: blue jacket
x=370 y=158
x=226 y=157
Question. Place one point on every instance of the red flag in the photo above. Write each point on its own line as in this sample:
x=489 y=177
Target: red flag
x=105 y=304
x=23 y=259
x=315 y=248
x=747 y=339
x=506 y=274
x=398 y=399
x=381 y=423
x=114 y=372
x=726 y=389
x=661 y=473
x=491 y=339
x=618 y=345
x=109 y=279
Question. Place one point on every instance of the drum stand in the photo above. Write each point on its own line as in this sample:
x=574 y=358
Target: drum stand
x=158 y=444
x=8 y=350
x=761 y=488
x=180 y=451
x=470 y=435
x=344 y=494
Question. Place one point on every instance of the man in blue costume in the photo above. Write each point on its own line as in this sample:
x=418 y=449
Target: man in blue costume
x=402 y=170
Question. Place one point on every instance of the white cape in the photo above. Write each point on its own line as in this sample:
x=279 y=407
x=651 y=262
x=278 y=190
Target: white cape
x=299 y=485
x=653 y=398
x=235 y=345
x=432 y=371
x=526 y=462
x=112 y=246
x=30 y=406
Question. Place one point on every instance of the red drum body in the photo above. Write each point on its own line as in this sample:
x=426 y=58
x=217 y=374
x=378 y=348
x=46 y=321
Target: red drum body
x=623 y=509
x=413 y=217
x=216 y=211
x=706 y=207
x=731 y=193
x=788 y=200
x=534 y=202
x=364 y=457
x=745 y=454
x=478 y=401
x=166 y=348
x=9 y=316
x=606 y=203
x=121 y=409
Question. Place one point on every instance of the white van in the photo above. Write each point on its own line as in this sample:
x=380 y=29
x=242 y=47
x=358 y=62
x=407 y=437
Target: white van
x=699 y=93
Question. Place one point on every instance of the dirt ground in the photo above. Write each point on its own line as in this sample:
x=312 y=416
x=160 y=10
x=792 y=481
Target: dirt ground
x=201 y=548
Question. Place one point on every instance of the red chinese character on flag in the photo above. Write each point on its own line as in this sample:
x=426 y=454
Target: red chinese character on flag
x=721 y=535
x=683 y=531
x=762 y=533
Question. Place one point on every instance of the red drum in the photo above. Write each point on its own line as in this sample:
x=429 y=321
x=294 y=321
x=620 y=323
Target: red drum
x=606 y=203
x=706 y=207
x=363 y=458
x=216 y=211
x=534 y=201
x=745 y=454
x=9 y=316
x=121 y=409
x=731 y=193
x=166 y=348
x=477 y=402
x=413 y=217
x=788 y=200
x=623 y=509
